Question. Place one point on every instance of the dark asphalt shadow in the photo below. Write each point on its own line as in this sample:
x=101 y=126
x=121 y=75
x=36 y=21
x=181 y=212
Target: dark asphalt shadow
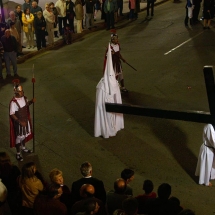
x=167 y=132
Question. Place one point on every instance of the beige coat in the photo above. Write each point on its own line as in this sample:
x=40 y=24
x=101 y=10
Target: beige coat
x=30 y=189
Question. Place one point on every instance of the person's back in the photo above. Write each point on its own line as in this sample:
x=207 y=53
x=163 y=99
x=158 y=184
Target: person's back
x=116 y=197
x=50 y=204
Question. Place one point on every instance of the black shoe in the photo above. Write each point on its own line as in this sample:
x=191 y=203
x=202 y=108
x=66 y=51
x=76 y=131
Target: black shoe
x=107 y=29
x=18 y=157
x=204 y=28
x=56 y=36
x=16 y=75
x=209 y=28
x=1 y=78
x=8 y=76
x=23 y=47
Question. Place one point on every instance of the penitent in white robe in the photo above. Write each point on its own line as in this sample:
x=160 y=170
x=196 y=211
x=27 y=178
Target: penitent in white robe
x=206 y=163
x=107 y=124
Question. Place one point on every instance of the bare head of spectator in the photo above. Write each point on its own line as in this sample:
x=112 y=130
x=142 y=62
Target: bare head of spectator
x=87 y=190
x=56 y=176
x=86 y=169
x=12 y=15
x=34 y=4
x=127 y=175
x=7 y=33
x=148 y=186
x=164 y=191
x=120 y=186
x=91 y=207
x=187 y=212
x=18 y=8
x=130 y=206
x=54 y=191
x=27 y=1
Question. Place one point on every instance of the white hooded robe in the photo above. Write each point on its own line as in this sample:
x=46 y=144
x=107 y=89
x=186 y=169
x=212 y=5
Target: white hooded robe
x=206 y=163
x=107 y=124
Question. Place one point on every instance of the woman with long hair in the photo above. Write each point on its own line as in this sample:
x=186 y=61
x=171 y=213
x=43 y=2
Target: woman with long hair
x=28 y=27
x=30 y=187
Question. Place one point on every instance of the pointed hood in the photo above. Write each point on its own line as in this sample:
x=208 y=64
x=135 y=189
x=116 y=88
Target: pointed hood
x=110 y=82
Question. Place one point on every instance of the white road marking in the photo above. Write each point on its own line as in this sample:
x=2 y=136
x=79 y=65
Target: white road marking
x=182 y=44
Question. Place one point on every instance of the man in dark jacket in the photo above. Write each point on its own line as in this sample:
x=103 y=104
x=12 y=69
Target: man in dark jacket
x=10 y=49
x=86 y=171
x=90 y=13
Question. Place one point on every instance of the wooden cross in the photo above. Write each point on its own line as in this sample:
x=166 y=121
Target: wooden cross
x=175 y=115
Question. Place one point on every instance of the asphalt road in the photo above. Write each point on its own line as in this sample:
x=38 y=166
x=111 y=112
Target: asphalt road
x=157 y=149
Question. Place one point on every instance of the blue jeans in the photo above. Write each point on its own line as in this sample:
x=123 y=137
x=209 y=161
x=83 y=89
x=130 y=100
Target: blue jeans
x=10 y=57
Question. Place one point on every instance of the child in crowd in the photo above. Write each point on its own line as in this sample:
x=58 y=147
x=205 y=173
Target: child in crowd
x=67 y=34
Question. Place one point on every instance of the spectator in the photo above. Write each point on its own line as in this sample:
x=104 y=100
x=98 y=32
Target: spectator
x=50 y=19
x=40 y=27
x=132 y=6
x=208 y=13
x=79 y=15
x=176 y=205
x=89 y=13
x=18 y=13
x=9 y=174
x=3 y=197
x=18 y=27
x=205 y=168
x=1 y=56
x=67 y=34
x=120 y=7
x=56 y=177
x=50 y=204
x=116 y=197
x=87 y=192
x=90 y=207
x=150 y=5
x=196 y=9
x=110 y=6
x=28 y=27
x=35 y=8
x=61 y=9
x=161 y=205
x=14 y=32
x=128 y=176
x=70 y=14
x=3 y=27
x=149 y=194
x=26 y=5
x=189 y=12
x=130 y=206
x=54 y=11
x=97 y=8
x=30 y=187
x=86 y=171
x=10 y=49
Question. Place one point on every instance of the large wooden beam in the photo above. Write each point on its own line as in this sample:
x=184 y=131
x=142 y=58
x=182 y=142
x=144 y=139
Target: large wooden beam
x=158 y=113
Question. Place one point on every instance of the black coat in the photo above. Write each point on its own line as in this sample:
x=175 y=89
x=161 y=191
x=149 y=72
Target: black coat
x=39 y=23
x=100 y=192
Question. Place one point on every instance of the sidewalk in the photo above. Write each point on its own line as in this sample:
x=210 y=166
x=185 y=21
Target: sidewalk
x=58 y=42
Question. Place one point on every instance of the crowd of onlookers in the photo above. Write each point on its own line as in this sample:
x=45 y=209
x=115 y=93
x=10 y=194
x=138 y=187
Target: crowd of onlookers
x=26 y=192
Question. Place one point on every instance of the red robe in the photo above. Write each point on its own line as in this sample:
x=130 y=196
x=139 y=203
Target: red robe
x=12 y=131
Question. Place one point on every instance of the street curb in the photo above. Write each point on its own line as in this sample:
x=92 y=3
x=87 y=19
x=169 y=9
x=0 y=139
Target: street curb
x=75 y=37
